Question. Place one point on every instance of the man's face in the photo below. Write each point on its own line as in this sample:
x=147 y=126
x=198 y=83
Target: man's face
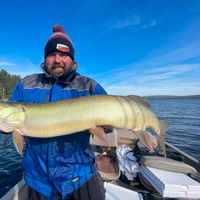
x=58 y=63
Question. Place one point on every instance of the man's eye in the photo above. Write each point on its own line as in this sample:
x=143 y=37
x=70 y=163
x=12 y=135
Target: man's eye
x=51 y=55
x=63 y=55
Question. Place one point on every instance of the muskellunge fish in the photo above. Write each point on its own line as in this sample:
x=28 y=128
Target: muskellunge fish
x=79 y=114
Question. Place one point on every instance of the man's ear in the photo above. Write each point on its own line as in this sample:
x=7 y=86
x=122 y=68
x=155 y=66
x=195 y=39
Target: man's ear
x=75 y=67
x=44 y=68
x=42 y=65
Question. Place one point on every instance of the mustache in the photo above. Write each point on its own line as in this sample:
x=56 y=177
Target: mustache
x=58 y=65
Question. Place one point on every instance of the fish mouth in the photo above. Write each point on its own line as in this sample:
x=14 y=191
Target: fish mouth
x=6 y=127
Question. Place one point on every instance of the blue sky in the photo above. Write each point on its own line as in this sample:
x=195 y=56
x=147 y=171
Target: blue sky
x=143 y=47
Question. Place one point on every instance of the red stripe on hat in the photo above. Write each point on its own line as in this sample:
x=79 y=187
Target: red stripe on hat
x=59 y=36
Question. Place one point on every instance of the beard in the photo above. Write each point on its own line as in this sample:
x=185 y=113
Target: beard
x=58 y=70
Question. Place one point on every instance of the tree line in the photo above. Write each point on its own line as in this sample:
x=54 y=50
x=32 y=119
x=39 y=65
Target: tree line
x=7 y=83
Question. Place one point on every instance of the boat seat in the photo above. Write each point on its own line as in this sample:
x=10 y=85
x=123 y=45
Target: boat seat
x=167 y=164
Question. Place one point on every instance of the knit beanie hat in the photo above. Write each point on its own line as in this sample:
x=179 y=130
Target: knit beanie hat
x=59 y=42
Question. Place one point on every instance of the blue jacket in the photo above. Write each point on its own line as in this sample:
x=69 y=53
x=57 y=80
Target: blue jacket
x=63 y=163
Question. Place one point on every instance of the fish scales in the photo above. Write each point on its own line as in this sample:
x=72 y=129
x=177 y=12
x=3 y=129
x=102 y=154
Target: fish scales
x=75 y=115
x=79 y=114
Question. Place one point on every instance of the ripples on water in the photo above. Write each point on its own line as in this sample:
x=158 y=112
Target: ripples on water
x=10 y=164
x=182 y=116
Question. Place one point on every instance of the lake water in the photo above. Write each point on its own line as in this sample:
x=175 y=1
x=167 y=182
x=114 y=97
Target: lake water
x=182 y=116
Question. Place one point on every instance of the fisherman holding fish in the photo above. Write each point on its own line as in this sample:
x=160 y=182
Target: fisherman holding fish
x=59 y=167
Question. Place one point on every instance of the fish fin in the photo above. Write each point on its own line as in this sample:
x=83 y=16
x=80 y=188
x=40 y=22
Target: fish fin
x=161 y=137
x=140 y=100
x=18 y=141
x=99 y=132
x=146 y=139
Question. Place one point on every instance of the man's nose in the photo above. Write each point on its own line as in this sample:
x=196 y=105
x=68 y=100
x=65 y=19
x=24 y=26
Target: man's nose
x=57 y=58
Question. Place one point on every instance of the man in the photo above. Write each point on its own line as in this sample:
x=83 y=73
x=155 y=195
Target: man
x=60 y=167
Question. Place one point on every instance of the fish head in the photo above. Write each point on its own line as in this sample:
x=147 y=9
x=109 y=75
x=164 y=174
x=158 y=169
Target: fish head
x=5 y=110
x=11 y=115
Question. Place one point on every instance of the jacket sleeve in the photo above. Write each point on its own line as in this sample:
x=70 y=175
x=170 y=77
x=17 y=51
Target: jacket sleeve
x=17 y=94
x=98 y=90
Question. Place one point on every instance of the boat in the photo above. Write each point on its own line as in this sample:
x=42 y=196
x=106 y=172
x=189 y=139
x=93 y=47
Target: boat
x=120 y=188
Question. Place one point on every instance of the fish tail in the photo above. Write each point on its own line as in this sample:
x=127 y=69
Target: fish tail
x=161 y=137
x=146 y=139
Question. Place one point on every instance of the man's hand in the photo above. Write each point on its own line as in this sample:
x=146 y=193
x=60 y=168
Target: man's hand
x=100 y=133
x=96 y=129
